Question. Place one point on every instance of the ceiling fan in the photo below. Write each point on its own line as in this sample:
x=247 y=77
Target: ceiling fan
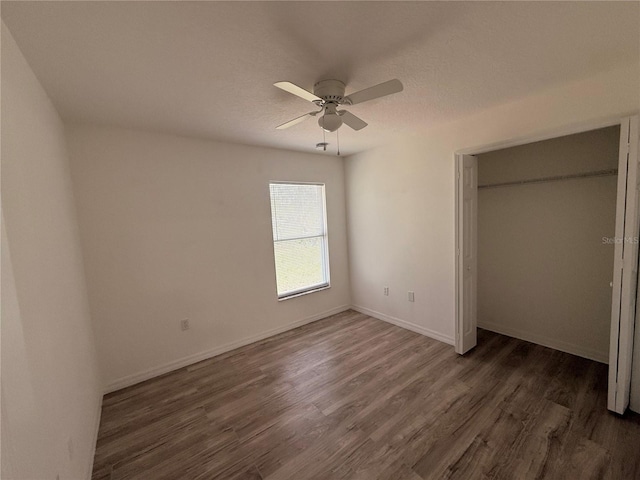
x=329 y=95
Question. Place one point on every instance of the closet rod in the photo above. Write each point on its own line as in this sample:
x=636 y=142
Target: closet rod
x=599 y=173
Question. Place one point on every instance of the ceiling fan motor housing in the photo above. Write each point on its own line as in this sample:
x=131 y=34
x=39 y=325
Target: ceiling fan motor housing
x=332 y=94
x=330 y=90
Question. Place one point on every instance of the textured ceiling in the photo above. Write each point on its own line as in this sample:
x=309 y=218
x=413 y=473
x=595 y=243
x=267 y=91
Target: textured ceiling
x=206 y=69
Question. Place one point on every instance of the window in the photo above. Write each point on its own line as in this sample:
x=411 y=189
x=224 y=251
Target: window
x=299 y=237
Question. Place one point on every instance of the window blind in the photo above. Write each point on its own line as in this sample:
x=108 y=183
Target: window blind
x=299 y=236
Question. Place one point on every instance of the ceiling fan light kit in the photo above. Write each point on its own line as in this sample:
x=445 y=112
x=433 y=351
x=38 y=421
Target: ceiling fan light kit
x=331 y=120
x=329 y=95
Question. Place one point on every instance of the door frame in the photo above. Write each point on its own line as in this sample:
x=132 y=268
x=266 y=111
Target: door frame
x=477 y=150
x=461 y=343
x=626 y=269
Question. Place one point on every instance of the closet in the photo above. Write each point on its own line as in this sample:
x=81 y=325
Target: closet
x=546 y=214
x=541 y=230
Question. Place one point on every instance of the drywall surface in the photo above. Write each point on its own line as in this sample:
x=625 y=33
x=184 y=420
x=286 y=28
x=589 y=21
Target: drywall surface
x=51 y=393
x=175 y=228
x=544 y=259
x=401 y=197
x=207 y=68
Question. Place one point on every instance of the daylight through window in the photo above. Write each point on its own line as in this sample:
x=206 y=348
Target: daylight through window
x=299 y=237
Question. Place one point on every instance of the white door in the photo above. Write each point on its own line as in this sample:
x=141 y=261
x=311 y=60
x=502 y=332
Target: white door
x=467 y=253
x=625 y=269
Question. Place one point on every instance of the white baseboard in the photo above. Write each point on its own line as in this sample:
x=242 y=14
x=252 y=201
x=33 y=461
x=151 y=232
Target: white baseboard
x=566 y=347
x=198 y=357
x=96 y=427
x=404 y=324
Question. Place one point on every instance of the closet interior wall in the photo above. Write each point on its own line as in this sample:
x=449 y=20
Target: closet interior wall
x=546 y=219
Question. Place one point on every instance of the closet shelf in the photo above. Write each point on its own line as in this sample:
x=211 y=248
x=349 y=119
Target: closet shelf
x=557 y=178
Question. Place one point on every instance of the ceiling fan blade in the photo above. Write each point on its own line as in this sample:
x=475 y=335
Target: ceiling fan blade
x=298 y=91
x=351 y=120
x=296 y=120
x=380 y=90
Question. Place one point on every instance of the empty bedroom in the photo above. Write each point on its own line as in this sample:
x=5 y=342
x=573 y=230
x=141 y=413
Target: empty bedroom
x=320 y=240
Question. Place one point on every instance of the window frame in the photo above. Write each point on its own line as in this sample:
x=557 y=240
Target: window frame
x=325 y=244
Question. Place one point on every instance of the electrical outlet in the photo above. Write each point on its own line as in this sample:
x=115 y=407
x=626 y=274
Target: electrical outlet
x=184 y=324
x=412 y=297
x=386 y=291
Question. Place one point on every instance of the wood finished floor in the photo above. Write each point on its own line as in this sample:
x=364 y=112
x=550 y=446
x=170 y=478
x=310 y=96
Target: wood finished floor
x=351 y=397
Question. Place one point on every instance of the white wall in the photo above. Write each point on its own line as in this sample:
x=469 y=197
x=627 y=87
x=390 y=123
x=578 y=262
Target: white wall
x=176 y=228
x=401 y=198
x=543 y=268
x=51 y=391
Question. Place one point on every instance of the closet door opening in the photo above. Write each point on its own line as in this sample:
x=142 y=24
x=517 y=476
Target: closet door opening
x=546 y=241
x=556 y=239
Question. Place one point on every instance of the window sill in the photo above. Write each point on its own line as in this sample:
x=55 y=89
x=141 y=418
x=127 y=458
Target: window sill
x=306 y=292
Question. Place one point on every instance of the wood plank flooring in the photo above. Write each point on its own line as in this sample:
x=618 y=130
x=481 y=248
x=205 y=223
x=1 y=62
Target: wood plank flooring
x=352 y=397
